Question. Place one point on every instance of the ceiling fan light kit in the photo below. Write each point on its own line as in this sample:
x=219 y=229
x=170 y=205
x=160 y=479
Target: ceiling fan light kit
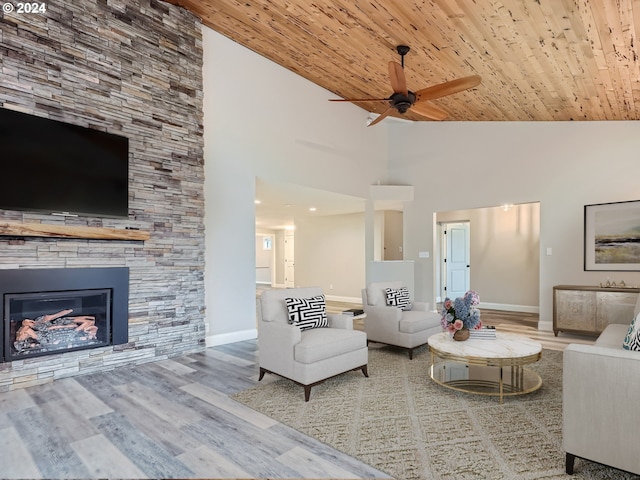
x=402 y=99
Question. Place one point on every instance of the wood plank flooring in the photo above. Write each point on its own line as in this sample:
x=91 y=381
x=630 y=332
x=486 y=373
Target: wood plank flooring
x=174 y=419
x=168 y=419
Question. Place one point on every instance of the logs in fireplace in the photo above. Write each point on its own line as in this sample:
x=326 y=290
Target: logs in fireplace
x=55 y=329
x=55 y=310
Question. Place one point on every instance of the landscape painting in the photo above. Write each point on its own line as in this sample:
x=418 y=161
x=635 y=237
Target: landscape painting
x=612 y=236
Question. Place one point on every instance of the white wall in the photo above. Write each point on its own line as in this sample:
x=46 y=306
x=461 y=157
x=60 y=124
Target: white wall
x=563 y=165
x=329 y=253
x=260 y=120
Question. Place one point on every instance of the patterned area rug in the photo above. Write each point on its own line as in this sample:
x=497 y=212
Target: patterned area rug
x=402 y=423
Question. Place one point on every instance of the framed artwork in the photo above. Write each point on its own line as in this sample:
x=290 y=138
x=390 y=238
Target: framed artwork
x=612 y=236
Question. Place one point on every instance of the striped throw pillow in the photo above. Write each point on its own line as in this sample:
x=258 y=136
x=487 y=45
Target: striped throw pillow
x=307 y=313
x=398 y=297
x=632 y=339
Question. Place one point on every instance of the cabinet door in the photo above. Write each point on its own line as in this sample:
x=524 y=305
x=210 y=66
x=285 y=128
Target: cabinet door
x=615 y=307
x=575 y=310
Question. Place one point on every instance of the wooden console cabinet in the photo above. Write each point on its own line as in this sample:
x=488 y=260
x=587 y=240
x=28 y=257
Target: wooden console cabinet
x=588 y=310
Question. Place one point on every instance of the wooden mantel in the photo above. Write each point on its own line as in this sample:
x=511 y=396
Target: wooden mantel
x=66 y=231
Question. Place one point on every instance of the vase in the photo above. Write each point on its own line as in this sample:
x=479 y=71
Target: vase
x=461 y=335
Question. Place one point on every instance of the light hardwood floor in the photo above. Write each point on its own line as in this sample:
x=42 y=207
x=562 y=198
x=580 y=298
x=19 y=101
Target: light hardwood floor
x=174 y=418
x=168 y=419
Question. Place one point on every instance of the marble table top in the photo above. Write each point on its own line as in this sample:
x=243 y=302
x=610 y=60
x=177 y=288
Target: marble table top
x=505 y=345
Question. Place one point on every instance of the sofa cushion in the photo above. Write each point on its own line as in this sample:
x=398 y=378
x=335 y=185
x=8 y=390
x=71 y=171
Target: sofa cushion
x=323 y=343
x=307 y=313
x=398 y=297
x=376 y=292
x=417 y=321
x=632 y=338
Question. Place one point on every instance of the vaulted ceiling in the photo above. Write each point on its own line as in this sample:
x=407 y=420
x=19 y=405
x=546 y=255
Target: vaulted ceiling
x=538 y=59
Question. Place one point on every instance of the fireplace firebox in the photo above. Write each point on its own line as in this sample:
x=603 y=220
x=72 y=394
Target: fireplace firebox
x=47 y=311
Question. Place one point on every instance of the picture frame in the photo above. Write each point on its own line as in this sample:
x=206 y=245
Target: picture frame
x=612 y=236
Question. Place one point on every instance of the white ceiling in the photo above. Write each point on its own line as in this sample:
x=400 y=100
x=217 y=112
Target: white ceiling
x=282 y=204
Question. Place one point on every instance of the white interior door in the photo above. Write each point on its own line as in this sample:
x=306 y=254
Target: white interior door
x=457 y=278
x=289 y=262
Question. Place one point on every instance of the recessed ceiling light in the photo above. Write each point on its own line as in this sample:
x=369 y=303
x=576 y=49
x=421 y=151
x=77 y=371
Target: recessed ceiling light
x=312 y=209
x=257 y=202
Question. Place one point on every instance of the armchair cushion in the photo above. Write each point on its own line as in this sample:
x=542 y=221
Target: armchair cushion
x=632 y=338
x=417 y=321
x=398 y=297
x=273 y=308
x=376 y=292
x=307 y=313
x=324 y=343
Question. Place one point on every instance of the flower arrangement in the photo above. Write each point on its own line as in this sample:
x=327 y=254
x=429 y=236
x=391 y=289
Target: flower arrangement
x=461 y=313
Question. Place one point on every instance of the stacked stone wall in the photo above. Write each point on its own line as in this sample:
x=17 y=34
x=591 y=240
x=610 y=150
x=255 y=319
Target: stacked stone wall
x=133 y=69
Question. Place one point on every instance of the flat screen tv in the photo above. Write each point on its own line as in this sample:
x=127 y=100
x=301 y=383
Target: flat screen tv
x=60 y=168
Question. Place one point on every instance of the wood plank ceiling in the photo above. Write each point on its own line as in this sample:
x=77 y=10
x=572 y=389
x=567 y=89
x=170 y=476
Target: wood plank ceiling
x=539 y=60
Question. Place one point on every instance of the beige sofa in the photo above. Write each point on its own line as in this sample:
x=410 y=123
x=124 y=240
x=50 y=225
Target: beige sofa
x=601 y=398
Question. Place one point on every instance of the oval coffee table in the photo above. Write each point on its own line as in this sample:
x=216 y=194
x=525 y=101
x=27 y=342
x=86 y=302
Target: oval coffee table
x=485 y=366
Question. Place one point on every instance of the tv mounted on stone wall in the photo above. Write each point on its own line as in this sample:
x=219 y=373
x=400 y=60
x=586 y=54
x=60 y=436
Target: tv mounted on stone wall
x=61 y=168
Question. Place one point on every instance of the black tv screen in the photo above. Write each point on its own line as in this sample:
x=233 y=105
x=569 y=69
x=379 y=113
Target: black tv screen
x=58 y=167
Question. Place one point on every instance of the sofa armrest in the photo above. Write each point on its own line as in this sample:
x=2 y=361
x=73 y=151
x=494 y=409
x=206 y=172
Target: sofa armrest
x=337 y=320
x=601 y=387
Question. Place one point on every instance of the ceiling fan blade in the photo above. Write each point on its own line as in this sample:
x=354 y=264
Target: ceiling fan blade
x=398 y=80
x=429 y=110
x=358 y=99
x=382 y=116
x=447 y=88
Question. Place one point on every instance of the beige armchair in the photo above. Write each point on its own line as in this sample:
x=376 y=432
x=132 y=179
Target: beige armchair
x=393 y=326
x=307 y=357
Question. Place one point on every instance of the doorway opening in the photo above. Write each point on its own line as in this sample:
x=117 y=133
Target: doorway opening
x=503 y=256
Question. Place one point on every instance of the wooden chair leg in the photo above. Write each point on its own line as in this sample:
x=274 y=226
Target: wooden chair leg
x=307 y=392
x=570 y=459
x=262 y=372
x=365 y=371
x=411 y=354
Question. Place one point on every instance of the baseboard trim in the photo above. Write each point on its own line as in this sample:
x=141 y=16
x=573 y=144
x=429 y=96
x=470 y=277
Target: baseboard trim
x=337 y=298
x=545 y=325
x=510 y=308
x=232 y=337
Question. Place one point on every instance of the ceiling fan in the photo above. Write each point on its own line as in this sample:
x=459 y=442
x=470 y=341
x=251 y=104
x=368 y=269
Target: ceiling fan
x=418 y=102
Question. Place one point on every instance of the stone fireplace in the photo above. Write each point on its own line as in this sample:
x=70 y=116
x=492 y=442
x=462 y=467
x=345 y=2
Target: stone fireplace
x=150 y=92
x=49 y=311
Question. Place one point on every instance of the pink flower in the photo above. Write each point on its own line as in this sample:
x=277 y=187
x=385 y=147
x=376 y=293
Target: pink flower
x=448 y=304
x=478 y=326
x=451 y=328
x=457 y=325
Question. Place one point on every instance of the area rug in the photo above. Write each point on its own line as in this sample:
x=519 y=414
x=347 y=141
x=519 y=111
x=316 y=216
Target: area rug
x=402 y=423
